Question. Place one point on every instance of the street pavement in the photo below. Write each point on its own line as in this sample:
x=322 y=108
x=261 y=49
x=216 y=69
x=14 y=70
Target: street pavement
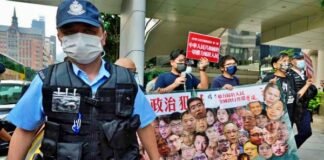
x=313 y=148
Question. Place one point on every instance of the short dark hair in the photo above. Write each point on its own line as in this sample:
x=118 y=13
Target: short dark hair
x=203 y=134
x=193 y=99
x=277 y=58
x=175 y=116
x=184 y=113
x=175 y=53
x=224 y=59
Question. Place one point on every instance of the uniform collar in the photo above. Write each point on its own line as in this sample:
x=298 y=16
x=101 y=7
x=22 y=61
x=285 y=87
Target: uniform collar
x=102 y=71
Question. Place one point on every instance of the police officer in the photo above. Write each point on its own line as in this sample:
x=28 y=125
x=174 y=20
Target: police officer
x=303 y=120
x=89 y=112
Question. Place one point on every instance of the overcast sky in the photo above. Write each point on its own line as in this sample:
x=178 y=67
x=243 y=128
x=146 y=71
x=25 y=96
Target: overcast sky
x=26 y=12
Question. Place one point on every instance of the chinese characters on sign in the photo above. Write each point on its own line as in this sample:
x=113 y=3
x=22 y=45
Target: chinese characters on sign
x=200 y=45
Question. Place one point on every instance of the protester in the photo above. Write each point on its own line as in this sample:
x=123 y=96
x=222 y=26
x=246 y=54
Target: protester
x=67 y=95
x=228 y=67
x=290 y=94
x=177 y=79
x=130 y=65
x=304 y=116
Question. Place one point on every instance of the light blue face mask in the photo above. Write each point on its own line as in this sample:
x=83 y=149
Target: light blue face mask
x=300 y=64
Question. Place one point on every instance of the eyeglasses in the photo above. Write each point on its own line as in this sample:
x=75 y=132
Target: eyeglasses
x=175 y=124
x=164 y=127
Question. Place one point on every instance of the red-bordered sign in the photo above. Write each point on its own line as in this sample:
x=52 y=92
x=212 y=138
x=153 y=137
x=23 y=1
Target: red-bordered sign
x=200 y=45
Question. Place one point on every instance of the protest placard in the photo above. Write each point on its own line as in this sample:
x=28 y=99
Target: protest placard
x=242 y=122
x=200 y=45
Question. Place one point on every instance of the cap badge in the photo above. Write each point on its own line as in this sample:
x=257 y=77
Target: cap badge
x=76 y=8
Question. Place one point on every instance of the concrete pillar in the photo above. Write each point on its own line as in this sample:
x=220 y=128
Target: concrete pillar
x=320 y=67
x=132 y=26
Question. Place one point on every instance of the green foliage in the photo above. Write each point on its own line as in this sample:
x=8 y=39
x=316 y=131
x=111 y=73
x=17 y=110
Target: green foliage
x=111 y=25
x=290 y=52
x=149 y=75
x=316 y=101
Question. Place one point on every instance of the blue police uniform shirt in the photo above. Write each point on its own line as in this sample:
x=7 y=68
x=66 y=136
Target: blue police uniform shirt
x=28 y=113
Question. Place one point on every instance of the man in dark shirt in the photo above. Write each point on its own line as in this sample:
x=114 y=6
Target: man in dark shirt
x=228 y=67
x=178 y=79
x=289 y=92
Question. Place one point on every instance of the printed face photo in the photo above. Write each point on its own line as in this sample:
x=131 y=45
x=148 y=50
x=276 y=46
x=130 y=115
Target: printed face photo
x=271 y=95
x=272 y=126
x=164 y=128
x=231 y=132
x=283 y=133
x=197 y=109
x=255 y=107
x=248 y=120
x=212 y=134
x=223 y=144
x=270 y=137
x=236 y=119
x=211 y=150
x=228 y=155
x=275 y=111
x=200 y=156
x=261 y=120
x=222 y=115
x=201 y=125
x=251 y=150
x=187 y=152
x=189 y=123
x=200 y=143
x=256 y=135
x=243 y=137
x=176 y=127
x=173 y=157
x=163 y=148
x=210 y=117
x=187 y=138
x=279 y=148
x=174 y=143
x=265 y=150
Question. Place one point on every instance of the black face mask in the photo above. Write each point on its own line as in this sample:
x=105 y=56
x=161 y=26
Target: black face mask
x=181 y=67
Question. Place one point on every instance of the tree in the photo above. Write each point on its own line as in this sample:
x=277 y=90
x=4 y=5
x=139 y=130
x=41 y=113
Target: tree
x=111 y=23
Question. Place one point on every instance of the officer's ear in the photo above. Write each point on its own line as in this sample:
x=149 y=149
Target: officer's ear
x=104 y=37
x=59 y=36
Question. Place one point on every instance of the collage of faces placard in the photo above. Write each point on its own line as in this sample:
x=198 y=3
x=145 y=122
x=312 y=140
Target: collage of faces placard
x=255 y=128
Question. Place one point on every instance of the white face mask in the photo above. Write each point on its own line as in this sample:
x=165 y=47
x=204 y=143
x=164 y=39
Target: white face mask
x=188 y=69
x=83 y=48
